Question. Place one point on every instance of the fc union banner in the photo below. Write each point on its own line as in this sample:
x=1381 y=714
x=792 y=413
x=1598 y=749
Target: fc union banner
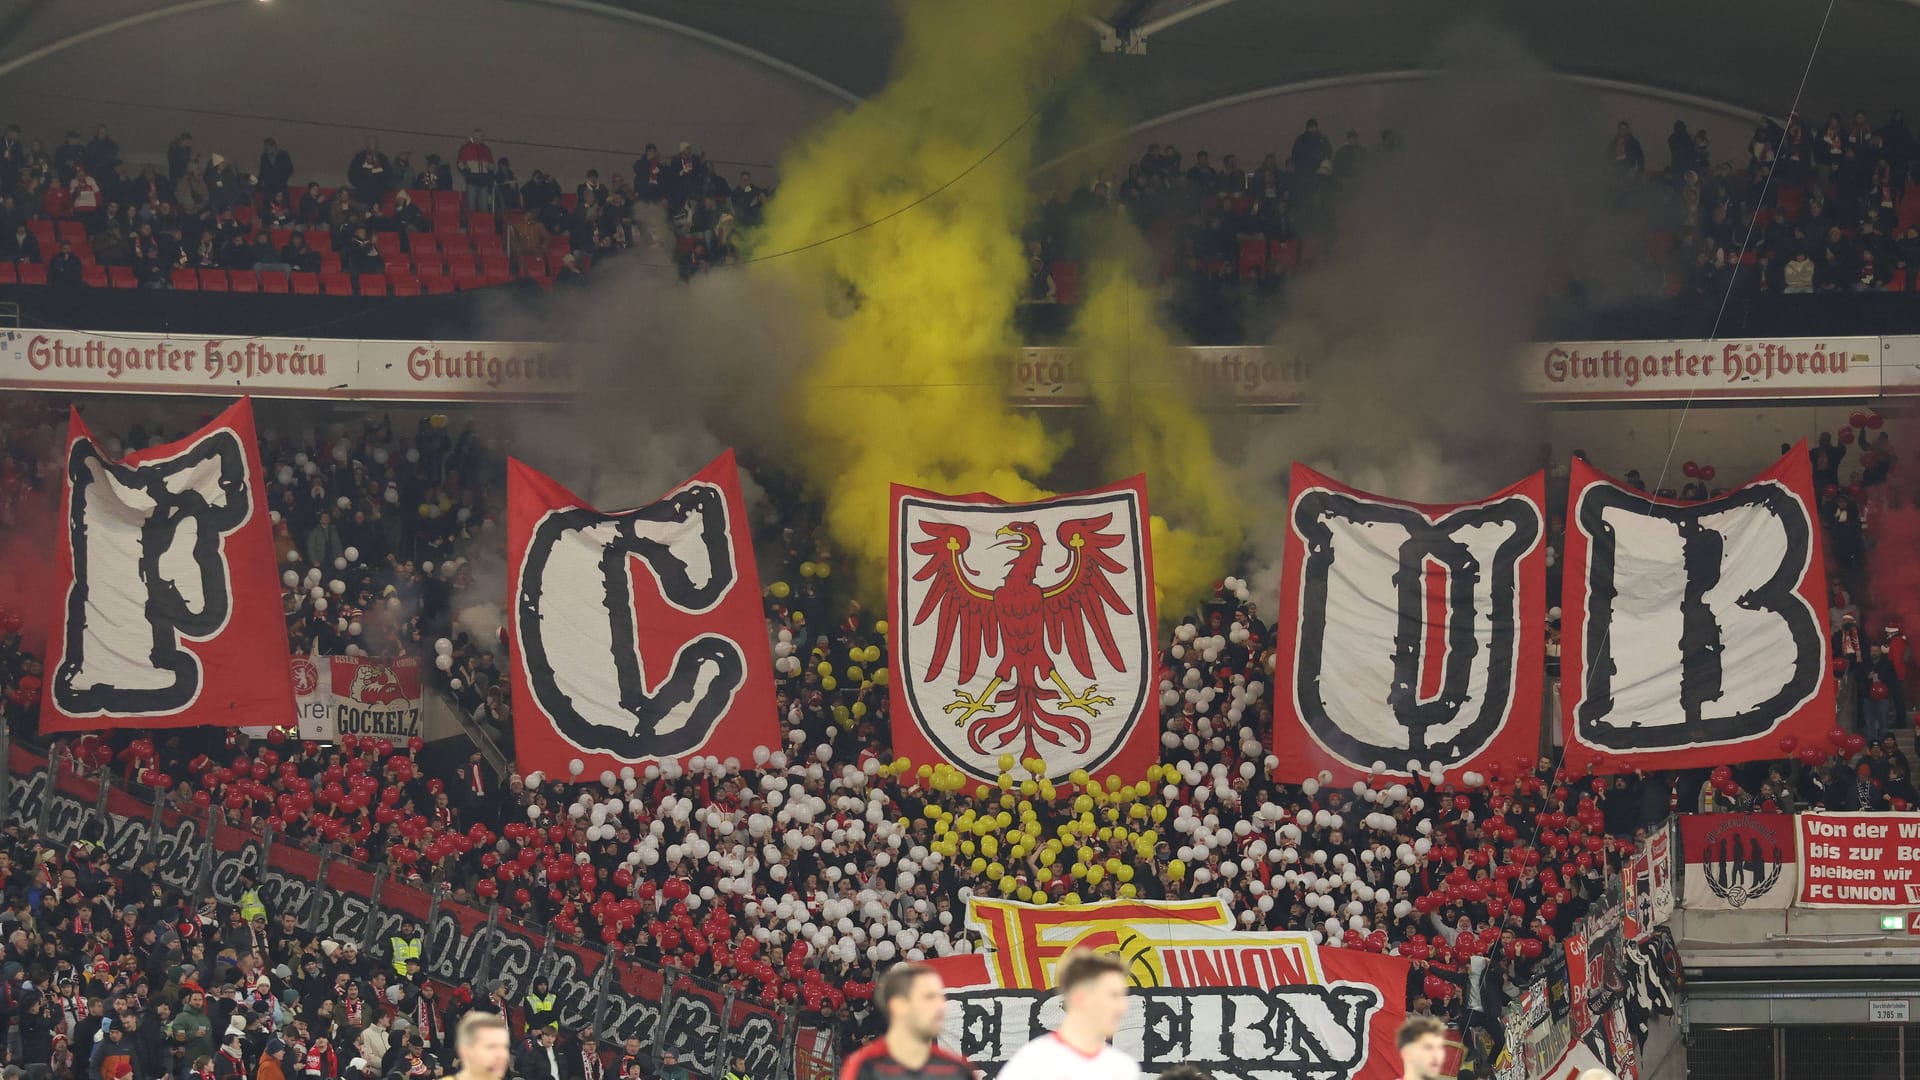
x=637 y=636
x=356 y=695
x=1024 y=629
x=1695 y=633
x=169 y=598
x=1238 y=1004
x=1410 y=636
x=1859 y=859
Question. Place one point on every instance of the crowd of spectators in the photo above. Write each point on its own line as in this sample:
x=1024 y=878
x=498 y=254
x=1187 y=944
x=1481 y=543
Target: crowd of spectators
x=204 y=210
x=799 y=873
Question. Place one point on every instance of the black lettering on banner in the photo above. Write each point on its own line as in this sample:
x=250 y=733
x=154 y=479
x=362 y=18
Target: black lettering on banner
x=1282 y=1033
x=1699 y=652
x=692 y=1029
x=757 y=1039
x=1435 y=730
x=133 y=597
x=583 y=559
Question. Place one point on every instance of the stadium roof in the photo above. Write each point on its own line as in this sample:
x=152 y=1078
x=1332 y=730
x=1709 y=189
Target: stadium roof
x=1748 y=54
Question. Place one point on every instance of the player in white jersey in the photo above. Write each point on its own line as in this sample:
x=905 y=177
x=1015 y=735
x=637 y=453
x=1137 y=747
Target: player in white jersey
x=1093 y=990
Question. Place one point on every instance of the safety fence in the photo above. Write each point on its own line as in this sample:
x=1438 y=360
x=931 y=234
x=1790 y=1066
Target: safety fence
x=199 y=853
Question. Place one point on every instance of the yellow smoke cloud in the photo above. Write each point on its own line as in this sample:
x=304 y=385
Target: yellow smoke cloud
x=907 y=382
x=1153 y=425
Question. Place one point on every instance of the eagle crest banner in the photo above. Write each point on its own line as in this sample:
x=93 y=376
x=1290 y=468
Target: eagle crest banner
x=1024 y=630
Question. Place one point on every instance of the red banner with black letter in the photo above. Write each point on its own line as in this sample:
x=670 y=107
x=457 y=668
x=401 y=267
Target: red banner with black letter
x=1411 y=636
x=1695 y=633
x=1024 y=630
x=637 y=636
x=169 y=599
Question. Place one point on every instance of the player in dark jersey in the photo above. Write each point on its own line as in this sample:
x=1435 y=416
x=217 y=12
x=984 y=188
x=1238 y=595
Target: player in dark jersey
x=914 y=1001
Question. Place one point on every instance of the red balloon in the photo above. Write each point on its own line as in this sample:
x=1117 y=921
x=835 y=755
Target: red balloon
x=1836 y=738
x=1788 y=743
x=1874 y=421
x=522 y=897
x=1857 y=743
x=1707 y=473
x=1878 y=692
x=1858 y=419
x=1846 y=436
x=1690 y=469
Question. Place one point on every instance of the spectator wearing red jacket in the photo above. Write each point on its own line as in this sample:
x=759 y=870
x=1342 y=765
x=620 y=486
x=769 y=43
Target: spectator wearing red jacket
x=476 y=168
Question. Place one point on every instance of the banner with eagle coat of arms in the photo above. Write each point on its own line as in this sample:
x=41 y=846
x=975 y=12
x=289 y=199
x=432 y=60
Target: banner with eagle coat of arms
x=1024 y=629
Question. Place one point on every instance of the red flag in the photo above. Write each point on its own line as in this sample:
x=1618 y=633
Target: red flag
x=169 y=597
x=1695 y=633
x=1409 y=632
x=1024 y=630
x=637 y=636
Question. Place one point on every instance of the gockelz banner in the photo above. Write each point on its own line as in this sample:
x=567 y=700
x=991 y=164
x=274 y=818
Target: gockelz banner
x=356 y=695
x=1238 y=1004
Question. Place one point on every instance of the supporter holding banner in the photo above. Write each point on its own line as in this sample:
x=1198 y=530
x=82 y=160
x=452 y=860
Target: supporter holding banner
x=1695 y=633
x=169 y=600
x=356 y=695
x=1024 y=630
x=1410 y=636
x=1739 y=862
x=636 y=636
x=1238 y=1004
x=1859 y=859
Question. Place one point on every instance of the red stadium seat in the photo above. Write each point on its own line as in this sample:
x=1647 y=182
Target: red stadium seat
x=213 y=281
x=243 y=213
x=42 y=230
x=485 y=242
x=336 y=284
x=459 y=262
x=245 y=281
x=447 y=225
x=33 y=273
x=1253 y=256
x=9 y=273
x=373 y=284
x=1910 y=208
x=1066 y=282
x=185 y=279
x=404 y=284
x=121 y=277
x=70 y=232
x=393 y=263
x=280 y=238
x=273 y=281
x=446 y=202
x=1283 y=256
x=1897 y=282
x=388 y=243
x=495 y=270
x=95 y=276
x=468 y=280
x=330 y=262
x=436 y=284
x=1790 y=199
x=305 y=284
x=483 y=223
x=419 y=244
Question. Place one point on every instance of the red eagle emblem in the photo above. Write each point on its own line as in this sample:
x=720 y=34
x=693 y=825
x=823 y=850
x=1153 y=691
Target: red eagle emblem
x=1024 y=623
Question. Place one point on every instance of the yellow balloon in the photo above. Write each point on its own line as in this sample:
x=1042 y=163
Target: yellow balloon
x=1006 y=763
x=1125 y=873
x=829 y=683
x=1072 y=899
x=977 y=865
x=823 y=669
x=1176 y=869
x=1142 y=789
x=1078 y=777
x=1082 y=804
x=982 y=791
x=1138 y=811
x=1113 y=783
x=925 y=771
x=1112 y=865
x=995 y=872
x=880 y=628
x=1127 y=892
x=823 y=569
x=1077 y=871
x=1159 y=813
x=1153 y=774
x=1019 y=852
x=989 y=847
x=880 y=677
x=806 y=569
x=859 y=708
x=1024 y=892
x=854 y=674
x=781 y=590
x=1028 y=788
x=1042 y=875
x=1006 y=886
x=1096 y=874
